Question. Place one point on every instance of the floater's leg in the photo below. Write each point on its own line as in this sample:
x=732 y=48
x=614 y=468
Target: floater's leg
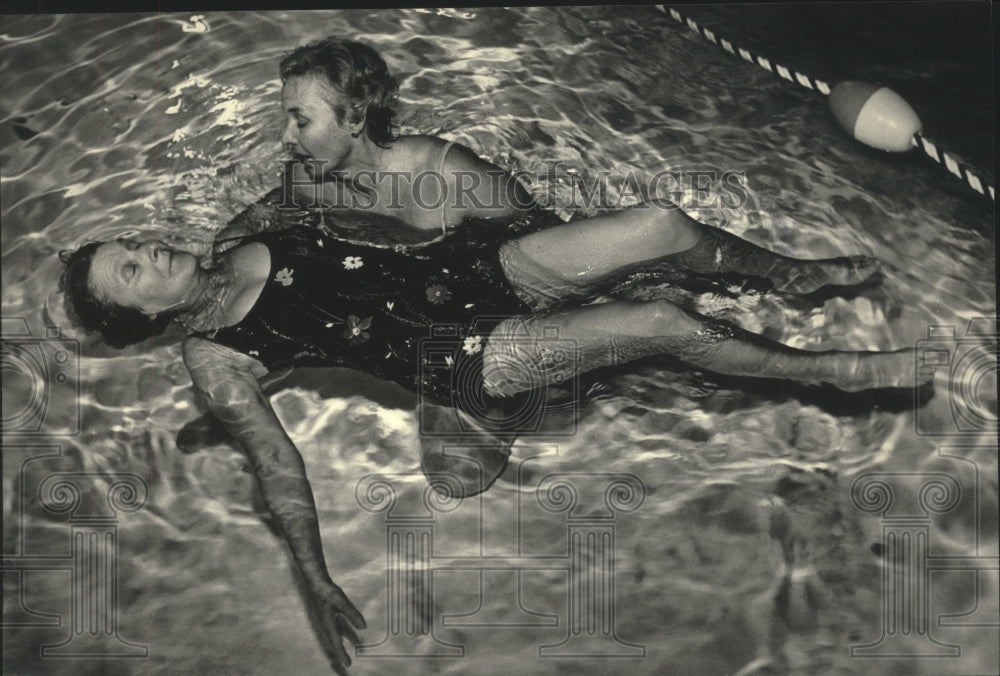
x=592 y=248
x=617 y=332
x=721 y=251
x=459 y=458
x=584 y=252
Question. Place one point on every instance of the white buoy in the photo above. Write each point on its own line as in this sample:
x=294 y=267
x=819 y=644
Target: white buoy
x=874 y=115
x=871 y=114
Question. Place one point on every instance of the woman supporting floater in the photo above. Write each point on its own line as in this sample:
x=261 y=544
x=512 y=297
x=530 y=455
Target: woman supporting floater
x=337 y=97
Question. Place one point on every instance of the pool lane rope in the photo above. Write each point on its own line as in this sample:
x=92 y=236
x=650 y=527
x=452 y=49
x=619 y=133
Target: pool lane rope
x=874 y=115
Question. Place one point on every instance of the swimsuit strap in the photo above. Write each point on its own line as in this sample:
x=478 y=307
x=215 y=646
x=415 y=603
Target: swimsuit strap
x=219 y=242
x=210 y=335
x=440 y=171
x=232 y=239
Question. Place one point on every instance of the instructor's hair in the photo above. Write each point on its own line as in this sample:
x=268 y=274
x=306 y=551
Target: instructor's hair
x=357 y=71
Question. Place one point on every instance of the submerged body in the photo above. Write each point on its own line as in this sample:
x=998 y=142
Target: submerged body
x=488 y=303
x=330 y=302
x=418 y=317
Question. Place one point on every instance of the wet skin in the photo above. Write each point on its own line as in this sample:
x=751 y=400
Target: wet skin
x=313 y=128
x=149 y=276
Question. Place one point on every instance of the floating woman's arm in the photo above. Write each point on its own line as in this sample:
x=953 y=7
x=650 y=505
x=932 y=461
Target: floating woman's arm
x=227 y=380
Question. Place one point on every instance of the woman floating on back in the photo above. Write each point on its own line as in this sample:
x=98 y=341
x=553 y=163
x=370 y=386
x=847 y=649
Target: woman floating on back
x=300 y=296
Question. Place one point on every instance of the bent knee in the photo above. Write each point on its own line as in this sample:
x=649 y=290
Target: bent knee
x=522 y=355
x=663 y=318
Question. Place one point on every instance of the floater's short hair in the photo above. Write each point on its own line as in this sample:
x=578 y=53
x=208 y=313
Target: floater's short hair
x=118 y=325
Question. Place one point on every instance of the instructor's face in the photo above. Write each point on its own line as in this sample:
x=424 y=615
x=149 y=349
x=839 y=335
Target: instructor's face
x=316 y=125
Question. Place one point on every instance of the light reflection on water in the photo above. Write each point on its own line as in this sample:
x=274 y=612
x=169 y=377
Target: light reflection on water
x=154 y=130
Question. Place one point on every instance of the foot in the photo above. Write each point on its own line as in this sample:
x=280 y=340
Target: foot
x=804 y=277
x=873 y=370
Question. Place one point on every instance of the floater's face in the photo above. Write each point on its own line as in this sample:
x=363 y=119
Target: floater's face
x=148 y=276
x=316 y=126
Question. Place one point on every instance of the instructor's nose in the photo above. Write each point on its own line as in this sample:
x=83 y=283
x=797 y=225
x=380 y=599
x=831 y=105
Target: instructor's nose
x=288 y=136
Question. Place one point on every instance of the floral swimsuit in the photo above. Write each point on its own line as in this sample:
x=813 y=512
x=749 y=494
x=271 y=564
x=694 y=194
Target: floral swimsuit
x=420 y=318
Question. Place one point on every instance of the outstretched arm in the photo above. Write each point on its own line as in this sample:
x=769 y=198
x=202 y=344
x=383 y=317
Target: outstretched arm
x=206 y=430
x=227 y=380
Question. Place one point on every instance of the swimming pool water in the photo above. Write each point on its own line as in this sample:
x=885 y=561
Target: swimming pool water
x=747 y=553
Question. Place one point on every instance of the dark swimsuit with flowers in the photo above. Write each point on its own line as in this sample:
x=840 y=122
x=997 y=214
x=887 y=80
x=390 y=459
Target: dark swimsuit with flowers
x=420 y=318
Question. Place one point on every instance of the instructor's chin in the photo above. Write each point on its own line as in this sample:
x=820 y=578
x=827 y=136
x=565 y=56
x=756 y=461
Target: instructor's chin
x=301 y=164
